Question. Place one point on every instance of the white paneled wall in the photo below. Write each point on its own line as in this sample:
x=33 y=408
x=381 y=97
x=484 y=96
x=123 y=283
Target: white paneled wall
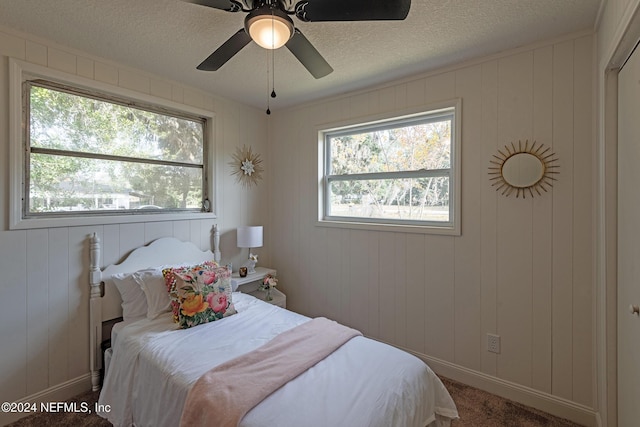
x=522 y=269
x=44 y=283
x=615 y=17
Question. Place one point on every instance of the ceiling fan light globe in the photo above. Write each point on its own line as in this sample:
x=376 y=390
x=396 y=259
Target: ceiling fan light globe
x=269 y=31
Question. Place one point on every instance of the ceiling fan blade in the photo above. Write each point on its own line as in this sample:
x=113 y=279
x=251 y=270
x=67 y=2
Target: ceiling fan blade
x=352 y=10
x=225 y=52
x=302 y=49
x=228 y=5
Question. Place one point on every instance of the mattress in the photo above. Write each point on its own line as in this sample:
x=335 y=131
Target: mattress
x=114 y=336
x=363 y=383
x=115 y=330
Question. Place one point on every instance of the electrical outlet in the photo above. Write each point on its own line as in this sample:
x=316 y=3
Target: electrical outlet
x=493 y=343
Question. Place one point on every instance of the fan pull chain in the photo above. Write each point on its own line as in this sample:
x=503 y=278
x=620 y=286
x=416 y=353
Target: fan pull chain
x=273 y=67
x=273 y=61
x=273 y=74
x=268 y=109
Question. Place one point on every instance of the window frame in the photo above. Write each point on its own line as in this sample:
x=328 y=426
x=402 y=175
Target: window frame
x=20 y=73
x=423 y=114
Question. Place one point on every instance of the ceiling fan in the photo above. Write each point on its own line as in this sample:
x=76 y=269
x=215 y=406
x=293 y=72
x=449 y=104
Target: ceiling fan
x=268 y=23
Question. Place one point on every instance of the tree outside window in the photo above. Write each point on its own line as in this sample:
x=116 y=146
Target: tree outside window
x=399 y=171
x=97 y=154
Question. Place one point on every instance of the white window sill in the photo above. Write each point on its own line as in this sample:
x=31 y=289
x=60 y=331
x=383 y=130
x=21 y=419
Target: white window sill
x=25 y=224
x=395 y=228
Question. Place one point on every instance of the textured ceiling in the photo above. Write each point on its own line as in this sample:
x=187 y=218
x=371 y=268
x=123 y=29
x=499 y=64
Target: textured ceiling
x=170 y=38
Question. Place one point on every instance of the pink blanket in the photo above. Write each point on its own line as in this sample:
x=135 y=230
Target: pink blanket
x=223 y=395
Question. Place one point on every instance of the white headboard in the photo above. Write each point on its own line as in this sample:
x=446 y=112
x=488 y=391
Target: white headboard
x=163 y=251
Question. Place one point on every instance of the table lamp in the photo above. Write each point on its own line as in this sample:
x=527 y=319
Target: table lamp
x=250 y=237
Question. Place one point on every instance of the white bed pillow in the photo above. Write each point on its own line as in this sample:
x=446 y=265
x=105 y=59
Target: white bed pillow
x=134 y=301
x=152 y=283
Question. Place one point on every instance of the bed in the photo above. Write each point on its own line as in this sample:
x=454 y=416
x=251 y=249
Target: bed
x=154 y=365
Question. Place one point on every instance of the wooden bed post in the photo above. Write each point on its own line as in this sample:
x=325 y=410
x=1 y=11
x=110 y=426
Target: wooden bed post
x=216 y=244
x=95 y=313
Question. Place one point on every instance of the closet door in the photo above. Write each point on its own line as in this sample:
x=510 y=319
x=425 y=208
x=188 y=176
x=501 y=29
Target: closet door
x=629 y=242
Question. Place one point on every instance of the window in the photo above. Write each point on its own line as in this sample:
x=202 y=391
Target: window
x=89 y=153
x=397 y=172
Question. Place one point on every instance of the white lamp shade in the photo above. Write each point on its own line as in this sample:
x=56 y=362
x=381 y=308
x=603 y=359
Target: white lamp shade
x=250 y=237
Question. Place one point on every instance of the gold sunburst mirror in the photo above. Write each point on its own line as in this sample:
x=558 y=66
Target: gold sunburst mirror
x=523 y=169
x=247 y=166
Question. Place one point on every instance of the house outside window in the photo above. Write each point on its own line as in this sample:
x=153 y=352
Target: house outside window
x=393 y=172
x=91 y=153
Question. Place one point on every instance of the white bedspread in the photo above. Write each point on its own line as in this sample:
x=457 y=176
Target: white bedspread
x=154 y=364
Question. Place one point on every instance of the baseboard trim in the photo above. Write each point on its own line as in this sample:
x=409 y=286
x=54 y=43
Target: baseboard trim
x=546 y=402
x=57 y=393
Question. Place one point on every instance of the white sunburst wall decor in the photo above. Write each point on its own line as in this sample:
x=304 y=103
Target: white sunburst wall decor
x=246 y=166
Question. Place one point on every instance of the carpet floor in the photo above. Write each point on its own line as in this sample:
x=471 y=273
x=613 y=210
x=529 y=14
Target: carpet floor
x=475 y=407
x=478 y=408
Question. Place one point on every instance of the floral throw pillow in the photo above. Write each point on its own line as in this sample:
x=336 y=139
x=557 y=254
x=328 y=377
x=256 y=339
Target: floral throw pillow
x=199 y=294
x=169 y=275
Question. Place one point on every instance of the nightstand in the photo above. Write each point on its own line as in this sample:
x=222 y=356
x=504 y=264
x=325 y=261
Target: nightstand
x=279 y=298
x=249 y=285
x=251 y=281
